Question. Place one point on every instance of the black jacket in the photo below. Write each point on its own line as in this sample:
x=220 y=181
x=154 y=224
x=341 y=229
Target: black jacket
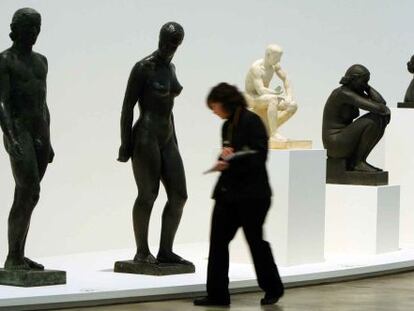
x=246 y=177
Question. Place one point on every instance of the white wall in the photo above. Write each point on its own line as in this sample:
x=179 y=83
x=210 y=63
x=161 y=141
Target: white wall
x=87 y=196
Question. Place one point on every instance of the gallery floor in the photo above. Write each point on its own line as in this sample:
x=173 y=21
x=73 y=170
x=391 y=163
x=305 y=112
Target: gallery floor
x=393 y=292
x=91 y=280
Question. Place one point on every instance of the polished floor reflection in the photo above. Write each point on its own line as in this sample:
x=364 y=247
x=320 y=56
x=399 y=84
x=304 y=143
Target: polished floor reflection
x=386 y=293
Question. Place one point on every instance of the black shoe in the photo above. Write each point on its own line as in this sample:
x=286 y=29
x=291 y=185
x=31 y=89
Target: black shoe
x=270 y=299
x=207 y=301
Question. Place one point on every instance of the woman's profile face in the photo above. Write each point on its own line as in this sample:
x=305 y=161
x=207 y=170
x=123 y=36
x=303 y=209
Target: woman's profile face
x=219 y=110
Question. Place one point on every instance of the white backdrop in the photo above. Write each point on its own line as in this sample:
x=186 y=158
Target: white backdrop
x=87 y=196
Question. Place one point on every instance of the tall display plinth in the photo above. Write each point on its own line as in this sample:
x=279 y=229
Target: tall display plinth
x=296 y=221
x=399 y=161
x=362 y=220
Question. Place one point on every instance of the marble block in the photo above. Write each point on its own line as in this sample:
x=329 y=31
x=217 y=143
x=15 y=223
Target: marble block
x=362 y=220
x=399 y=161
x=296 y=221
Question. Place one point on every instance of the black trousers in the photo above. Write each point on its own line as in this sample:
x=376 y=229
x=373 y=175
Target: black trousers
x=228 y=217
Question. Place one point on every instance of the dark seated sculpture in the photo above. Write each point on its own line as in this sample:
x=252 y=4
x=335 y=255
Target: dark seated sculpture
x=348 y=137
x=409 y=95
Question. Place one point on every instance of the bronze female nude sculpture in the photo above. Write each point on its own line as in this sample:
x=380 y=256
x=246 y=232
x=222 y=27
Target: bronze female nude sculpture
x=348 y=137
x=152 y=145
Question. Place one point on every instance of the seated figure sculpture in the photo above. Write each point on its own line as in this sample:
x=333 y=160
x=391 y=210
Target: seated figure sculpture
x=348 y=137
x=274 y=107
x=409 y=95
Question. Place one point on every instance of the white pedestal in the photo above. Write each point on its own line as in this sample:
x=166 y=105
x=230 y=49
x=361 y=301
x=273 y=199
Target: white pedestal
x=399 y=161
x=295 y=224
x=362 y=220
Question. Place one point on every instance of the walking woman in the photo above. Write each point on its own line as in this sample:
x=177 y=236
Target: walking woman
x=242 y=198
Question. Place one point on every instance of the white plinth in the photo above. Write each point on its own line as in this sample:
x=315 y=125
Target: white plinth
x=362 y=220
x=399 y=161
x=296 y=221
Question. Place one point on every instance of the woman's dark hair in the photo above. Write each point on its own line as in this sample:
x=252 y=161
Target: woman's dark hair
x=228 y=95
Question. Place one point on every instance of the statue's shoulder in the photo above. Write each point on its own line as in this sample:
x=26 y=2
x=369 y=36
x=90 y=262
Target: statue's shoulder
x=144 y=65
x=341 y=95
x=256 y=68
x=40 y=57
x=6 y=55
x=5 y=58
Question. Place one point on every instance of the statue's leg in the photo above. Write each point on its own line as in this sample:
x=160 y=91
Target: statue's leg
x=268 y=104
x=42 y=149
x=260 y=108
x=358 y=139
x=173 y=179
x=284 y=115
x=146 y=164
x=371 y=136
x=26 y=176
x=272 y=116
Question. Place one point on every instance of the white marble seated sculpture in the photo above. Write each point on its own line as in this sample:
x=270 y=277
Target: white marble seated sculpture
x=276 y=106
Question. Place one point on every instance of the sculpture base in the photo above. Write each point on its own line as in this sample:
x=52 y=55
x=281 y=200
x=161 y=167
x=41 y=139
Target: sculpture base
x=406 y=105
x=31 y=278
x=362 y=220
x=296 y=222
x=130 y=266
x=336 y=173
x=290 y=144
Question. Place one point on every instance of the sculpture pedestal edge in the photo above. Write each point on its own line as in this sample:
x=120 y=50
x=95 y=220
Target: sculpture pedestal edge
x=130 y=266
x=31 y=278
x=406 y=105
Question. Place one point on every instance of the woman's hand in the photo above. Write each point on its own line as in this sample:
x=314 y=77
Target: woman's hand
x=226 y=152
x=221 y=166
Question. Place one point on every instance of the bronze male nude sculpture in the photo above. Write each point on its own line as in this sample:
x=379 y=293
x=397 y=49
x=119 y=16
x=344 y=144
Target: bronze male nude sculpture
x=25 y=121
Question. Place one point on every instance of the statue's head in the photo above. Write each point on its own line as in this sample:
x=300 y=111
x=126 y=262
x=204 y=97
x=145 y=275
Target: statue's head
x=410 y=65
x=356 y=78
x=25 y=26
x=171 y=36
x=273 y=54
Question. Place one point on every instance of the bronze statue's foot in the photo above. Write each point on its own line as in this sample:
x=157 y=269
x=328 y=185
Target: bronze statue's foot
x=145 y=258
x=375 y=168
x=16 y=264
x=170 y=257
x=34 y=265
x=364 y=167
